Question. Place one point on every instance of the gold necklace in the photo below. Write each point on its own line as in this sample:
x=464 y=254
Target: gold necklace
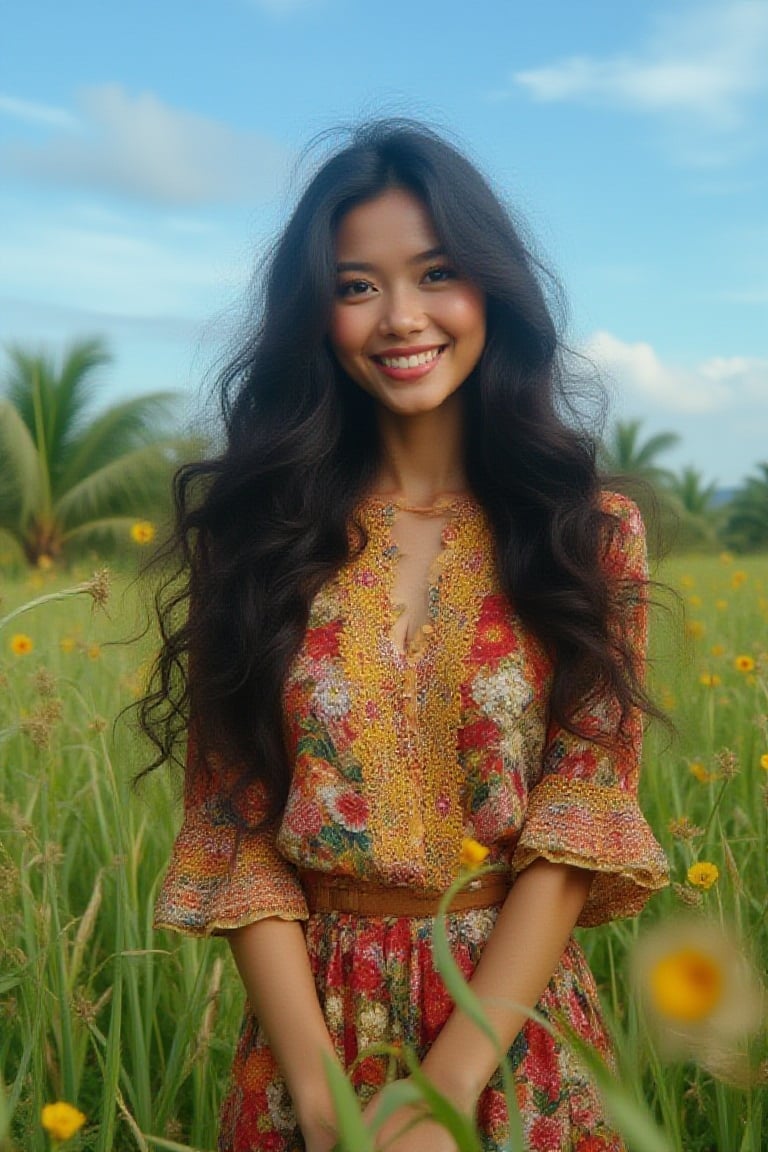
x=441 y=505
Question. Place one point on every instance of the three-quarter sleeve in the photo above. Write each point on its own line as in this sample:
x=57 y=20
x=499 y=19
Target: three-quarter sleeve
x=223 y=874
x=584 y=810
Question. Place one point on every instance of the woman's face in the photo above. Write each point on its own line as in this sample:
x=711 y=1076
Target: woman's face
x=406 y=327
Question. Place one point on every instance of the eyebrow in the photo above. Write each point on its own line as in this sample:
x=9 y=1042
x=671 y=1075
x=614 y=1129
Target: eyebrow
x=361 y=266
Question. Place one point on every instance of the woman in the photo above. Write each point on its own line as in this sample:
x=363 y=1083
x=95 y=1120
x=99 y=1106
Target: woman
x=414 y=618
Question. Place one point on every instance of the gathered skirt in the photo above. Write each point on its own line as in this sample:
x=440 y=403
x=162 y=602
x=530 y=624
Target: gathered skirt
x=377 y=984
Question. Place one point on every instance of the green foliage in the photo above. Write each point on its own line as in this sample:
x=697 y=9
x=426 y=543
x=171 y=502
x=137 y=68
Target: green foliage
x=747 y=525
x=69 y=475
x=140 y=1026
x=624 y=453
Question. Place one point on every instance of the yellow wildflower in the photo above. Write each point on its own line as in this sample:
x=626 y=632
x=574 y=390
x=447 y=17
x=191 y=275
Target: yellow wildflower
x=686 y=985
x=694 y=600
x=701 y=994
x=94 y=652
x=61 y=1120
x=142 y=532
x=738 y=578
x=721 y=605
x=700 y=772
x=45 y=562
x=472 y=853
x=703 y=874
x=744 y=664
x=710 y=680
x=687 y=581
x=21 y=644
x=764 y=761
x=695 y=629
x=67 y=643
x=726 y=558
x=717 y=650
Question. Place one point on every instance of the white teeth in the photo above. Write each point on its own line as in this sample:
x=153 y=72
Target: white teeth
x=410 y=361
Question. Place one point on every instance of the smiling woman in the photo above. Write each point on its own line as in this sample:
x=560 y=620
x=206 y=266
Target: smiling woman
x=414 y=619
x=406 y=325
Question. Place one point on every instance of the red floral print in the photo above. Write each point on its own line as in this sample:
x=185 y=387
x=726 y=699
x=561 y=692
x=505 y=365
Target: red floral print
x=323 y=641
x=393 y=761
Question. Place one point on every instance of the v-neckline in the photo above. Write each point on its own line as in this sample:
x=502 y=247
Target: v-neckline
x=427 y=633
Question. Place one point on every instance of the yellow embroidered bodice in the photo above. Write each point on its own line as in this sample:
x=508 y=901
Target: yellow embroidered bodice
x=397 y=755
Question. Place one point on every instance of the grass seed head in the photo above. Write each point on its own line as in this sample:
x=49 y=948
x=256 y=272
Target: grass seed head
x=683 y=828
x=727 y=763
x=98 y=587
x=688 y=896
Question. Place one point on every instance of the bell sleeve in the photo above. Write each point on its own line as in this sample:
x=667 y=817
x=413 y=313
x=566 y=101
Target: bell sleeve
x=584 y=810
x=222 y=874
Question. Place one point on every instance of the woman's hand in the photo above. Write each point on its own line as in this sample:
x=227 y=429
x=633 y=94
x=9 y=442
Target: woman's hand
x=425 y=1136
x=321 y=1141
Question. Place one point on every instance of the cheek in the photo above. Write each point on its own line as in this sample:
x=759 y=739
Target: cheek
x=466 y=317
x=345 y=332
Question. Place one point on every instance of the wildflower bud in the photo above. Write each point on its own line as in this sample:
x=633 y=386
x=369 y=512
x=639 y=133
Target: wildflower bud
x=688 y=896
x=683 y=829
x=472 y=853
x=44 y=682
x=728 y=763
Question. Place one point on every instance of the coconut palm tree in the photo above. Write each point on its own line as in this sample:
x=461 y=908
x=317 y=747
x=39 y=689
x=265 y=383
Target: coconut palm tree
x=747 y=525
x=67 y=473
x=694 y=496
x=631 y=466
x=626 y=454
x=693 y=502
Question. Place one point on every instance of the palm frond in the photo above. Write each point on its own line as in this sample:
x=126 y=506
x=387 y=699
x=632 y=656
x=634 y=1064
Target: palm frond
x=123 y=428
x=136 y=484
x=655 y=445
x=62 y=396
x=21 y=483
x=75 y=390
x=11 y=547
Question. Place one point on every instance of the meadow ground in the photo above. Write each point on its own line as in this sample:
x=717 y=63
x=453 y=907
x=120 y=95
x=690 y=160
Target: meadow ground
x=137 y=1028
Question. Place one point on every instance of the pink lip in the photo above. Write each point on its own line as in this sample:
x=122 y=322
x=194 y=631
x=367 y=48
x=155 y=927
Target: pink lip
x=407 y=373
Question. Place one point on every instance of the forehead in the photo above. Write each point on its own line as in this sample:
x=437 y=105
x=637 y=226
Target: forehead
x=395 y=222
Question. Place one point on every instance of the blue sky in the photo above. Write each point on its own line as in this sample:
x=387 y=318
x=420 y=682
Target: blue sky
x=148 y=152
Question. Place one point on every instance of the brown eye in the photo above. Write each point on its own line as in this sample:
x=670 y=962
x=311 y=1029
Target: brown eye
x=353 y=288
x=439 y=274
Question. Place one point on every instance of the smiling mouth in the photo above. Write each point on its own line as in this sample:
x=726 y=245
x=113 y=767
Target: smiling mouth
x=418 y=360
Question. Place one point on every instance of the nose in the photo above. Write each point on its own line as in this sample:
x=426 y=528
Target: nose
x=403 y=312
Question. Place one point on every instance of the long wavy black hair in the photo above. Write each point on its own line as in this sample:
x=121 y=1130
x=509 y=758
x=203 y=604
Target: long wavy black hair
x=261 y=527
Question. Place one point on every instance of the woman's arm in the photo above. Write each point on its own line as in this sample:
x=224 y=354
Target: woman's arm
x=271 y=957
x=517 y=963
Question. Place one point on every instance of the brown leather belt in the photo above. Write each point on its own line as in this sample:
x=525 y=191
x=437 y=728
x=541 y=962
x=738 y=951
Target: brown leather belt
x=329 y=893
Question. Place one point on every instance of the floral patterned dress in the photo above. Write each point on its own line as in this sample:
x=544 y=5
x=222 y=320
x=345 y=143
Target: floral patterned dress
x=397 y=756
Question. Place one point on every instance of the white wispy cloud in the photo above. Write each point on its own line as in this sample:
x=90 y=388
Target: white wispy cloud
x=118 y=270
x=140 y=147
x=719 y=383
x=703 y=63
x=32 y=112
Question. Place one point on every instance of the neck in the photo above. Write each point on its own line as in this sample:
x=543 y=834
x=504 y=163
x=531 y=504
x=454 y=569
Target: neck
x=422 y=456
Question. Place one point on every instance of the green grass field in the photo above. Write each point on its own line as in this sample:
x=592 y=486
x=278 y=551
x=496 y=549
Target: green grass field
x=137 y=1028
